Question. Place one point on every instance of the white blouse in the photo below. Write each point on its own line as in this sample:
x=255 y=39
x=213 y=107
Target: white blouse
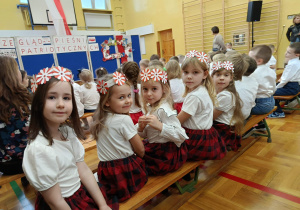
x=177 y=89
x=226 y=104
x=45 y=165
x=171 y=131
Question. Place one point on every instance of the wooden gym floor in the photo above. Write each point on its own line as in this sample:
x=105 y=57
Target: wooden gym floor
x=265 y=176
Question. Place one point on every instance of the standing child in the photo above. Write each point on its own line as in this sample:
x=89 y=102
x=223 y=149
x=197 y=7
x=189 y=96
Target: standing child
x=132 y=72
x=176 y=84
x=121 y=169
x=196 y=115
x=54 y=157
x=228 y=116
x=165 y=149
x=266 y=79
x=290 y=79
x=90 y=96
x=293 y=32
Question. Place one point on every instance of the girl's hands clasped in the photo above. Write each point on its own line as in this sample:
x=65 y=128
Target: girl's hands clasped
x=150 y=120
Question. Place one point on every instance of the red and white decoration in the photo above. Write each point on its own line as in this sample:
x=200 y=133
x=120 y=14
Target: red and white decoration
x=118 y=79
x=58 y=17
x=201 y=56
x=155 y=74
x=227 y=65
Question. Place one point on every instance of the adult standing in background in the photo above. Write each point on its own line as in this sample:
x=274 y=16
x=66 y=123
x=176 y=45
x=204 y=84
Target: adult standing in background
x=218 y=43
x=293 y=32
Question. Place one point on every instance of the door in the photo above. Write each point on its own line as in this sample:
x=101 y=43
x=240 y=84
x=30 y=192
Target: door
x=167 y=44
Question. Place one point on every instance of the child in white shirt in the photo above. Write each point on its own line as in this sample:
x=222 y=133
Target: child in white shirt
x=290 y=79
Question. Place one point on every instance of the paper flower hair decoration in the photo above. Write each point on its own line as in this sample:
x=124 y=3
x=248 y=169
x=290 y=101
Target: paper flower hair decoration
x=119 y=78
x=62 y=74
x=145 y=75
x=44 y=76
x=201 y=56
x=33 y=84
x=155 y=74
x=225 y=65
x=102 y=87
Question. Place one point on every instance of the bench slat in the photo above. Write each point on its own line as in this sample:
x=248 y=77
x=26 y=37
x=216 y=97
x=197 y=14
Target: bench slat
x=157 y=184
x=290 y=97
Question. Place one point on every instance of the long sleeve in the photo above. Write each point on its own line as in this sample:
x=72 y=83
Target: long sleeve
x=291 y=73
x=288 y=33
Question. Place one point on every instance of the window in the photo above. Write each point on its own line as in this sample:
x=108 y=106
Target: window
x=93 y=4
x=239 y=39
x=24 y=1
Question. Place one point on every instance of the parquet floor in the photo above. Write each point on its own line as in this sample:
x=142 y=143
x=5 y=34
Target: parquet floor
x=266 y=176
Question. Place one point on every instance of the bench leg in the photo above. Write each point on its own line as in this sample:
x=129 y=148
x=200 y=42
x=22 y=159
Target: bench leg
x=268 y=132
x=292 y=108
x=189 y=187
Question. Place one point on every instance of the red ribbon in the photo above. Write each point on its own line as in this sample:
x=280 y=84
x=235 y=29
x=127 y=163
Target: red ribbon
x=61 y=12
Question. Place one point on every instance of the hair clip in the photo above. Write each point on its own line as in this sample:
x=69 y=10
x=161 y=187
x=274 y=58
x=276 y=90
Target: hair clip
x=201 y=56
x=155 y=74
x=227 y=65
x=118 y=79
x=136 y=90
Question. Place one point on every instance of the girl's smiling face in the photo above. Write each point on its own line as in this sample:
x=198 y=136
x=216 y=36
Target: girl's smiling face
x=120 y=101
x=222 y=79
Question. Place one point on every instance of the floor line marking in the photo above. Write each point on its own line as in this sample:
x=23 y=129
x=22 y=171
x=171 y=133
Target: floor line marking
x=261 y=187
x=20 y=195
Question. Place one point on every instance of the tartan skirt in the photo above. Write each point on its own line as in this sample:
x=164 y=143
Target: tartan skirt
x=204 y=144
x=228 y=135
x=122 y=177
x=81 y=199
x=178 y=107
x=162 y=158
x=135 y=116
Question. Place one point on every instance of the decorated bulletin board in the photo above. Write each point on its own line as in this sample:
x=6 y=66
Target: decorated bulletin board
x=36 y=53
x=8 y=48
x=72 y=52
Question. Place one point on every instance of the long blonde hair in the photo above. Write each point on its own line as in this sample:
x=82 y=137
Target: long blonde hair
x=207 y=82
x=102 y=110
x=237 y=117
x=166 y=97
x=86 y=77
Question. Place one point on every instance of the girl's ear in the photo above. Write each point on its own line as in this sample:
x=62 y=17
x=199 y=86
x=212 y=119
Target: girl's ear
x=205 y=74
x=107 y=103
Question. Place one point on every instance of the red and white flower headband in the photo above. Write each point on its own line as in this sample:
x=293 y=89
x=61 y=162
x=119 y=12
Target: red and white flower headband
x=155 y=74
x=201 y=56
x=222 y=65
x=45 y=75
x=118 y=79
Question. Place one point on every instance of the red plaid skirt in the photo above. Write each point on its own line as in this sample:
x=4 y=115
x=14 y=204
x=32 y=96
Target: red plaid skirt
x=135 y=117
x=122 y=177
x=162 y=158
x=204 y=145
x=81 y=199
x=178 y=107
x=228 y=135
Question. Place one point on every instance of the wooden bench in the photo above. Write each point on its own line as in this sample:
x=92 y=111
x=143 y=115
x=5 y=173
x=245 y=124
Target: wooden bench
x=286 y=98
x=91 y=160
x=254 y=119
x=156 y=184
x=86 y=115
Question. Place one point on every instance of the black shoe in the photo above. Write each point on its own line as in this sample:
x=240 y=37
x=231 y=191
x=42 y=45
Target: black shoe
x=24 y=181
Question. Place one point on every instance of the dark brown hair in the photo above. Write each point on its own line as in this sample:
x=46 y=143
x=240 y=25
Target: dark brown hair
x=37 y=121
x=132 y=71
x=215 y=29
x=12 y=92
x=296 y=47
